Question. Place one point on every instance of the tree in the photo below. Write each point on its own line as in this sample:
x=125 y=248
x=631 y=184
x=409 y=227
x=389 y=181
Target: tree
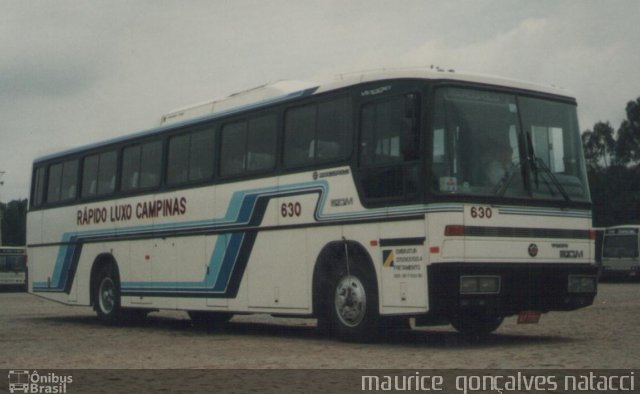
x=14 y=223
x=628 y=138
x=599 y=145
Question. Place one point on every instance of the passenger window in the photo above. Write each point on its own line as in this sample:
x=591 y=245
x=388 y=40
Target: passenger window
x=178 y=162
x=389 y=148
x=190 y=157
x=63 y=180
x=299 y=133
x=232 y=149
x=389 y=132
x=38 y=190
x=201 y=155
x=55 y=177
x=261 y=143
x=141 y=166
x=248 y=146
x=150 y=166
x=334 y=134
x=318 y=133
x=130 y=168
x=99 y=174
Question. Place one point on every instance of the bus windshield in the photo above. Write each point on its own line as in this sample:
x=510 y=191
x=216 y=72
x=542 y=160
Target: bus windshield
x=619 y=246
x=12 y=263
x=499 y=144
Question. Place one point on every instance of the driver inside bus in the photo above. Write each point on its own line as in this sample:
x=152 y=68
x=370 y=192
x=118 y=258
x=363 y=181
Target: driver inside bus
x=496 y=161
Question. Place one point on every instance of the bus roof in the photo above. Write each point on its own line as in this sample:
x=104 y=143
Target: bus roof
x=281 y=91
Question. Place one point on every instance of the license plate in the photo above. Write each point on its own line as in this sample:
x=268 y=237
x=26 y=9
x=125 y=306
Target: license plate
x=529 y=317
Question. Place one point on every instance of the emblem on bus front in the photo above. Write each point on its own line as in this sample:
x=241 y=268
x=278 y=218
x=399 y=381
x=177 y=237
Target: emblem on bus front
x=533 y=250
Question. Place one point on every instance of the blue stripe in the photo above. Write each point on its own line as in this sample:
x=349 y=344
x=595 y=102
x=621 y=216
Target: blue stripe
x=223 y=259
x=240 y=212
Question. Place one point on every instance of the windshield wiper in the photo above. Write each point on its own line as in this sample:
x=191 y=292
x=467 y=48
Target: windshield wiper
x=539 y=163
x=503 y=184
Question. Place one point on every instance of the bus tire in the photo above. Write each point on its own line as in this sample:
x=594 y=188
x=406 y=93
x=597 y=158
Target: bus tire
x=205 y=319
x=107 y=296
x=476 y=325
x=353 y=308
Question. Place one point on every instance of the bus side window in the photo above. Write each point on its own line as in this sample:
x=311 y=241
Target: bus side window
x=63 y=180
x=141 y=166
x=233 y=148
x=178 y=160
x=190 y=157
x=261 y=143
x=69 y=180
x=318 y=133
x=151 y=164
x=299 y=133
x=248 y=146
x=334 y=130
x=201 y=155
x=130 y=167
x=389 y=148
x=38 y=189
x=55 y=177
x=99 y=174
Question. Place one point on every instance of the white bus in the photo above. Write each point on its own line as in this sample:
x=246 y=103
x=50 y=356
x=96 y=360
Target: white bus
x=13 y=266
x=362 y=202
x=620 y=258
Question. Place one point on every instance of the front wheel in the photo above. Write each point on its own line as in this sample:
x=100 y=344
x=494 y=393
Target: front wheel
x=353 y=311
x=476 y=325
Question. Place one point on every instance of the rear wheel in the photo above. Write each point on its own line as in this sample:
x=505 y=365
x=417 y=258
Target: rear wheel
x=107 y=295
x=133 y=315
x=206 y=319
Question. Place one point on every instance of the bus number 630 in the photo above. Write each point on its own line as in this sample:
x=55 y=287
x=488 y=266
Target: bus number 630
x=481 y=212
x=290 y=209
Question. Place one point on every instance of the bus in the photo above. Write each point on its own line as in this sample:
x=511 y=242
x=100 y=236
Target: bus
x=362 y=202
x=13 y=267
x=620 y=258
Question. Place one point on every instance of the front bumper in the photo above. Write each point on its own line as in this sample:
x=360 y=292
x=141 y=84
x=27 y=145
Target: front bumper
x=540 y=287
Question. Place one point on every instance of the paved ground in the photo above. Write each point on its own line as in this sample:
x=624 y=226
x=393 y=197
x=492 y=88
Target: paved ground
x=37 y=333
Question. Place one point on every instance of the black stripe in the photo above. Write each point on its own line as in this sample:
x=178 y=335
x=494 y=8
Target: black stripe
x=75 y=259
x=225 y=230
x=241 y=264
x=402 y=241
x=523 y=232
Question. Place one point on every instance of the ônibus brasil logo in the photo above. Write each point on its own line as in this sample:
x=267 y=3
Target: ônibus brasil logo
x=23 y=381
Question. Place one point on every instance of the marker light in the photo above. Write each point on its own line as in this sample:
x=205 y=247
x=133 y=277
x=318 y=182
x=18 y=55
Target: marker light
x=454 y=230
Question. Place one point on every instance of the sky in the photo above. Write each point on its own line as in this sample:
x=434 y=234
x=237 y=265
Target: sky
x=75 y=72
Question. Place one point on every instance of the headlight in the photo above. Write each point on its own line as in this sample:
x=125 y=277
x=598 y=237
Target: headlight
x=582 y=284
x=479 y=284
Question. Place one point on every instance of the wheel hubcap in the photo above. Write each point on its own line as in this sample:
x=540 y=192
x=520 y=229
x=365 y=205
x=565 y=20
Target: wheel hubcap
x=107 y=295
x=350 y=301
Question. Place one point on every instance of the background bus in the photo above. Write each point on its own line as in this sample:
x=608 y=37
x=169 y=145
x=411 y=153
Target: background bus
x=620 y=257
x=362 y=202
x=13 y=267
